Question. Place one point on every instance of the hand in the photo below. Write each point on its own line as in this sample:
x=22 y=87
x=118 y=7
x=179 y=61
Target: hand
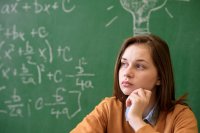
x=138 y=101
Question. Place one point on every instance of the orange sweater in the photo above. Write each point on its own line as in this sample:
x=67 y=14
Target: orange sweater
x=107 y=118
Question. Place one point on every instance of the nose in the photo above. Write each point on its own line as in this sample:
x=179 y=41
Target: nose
x=129 y=73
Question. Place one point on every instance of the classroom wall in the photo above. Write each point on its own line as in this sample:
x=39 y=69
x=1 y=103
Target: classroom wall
x=57 y=57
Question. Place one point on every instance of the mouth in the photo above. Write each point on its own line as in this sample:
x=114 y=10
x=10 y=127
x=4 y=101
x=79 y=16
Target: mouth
x=127 y=84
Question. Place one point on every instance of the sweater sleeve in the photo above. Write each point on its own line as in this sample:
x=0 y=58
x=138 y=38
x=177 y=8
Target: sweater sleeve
x=181 y=120
x=147 y=129
x=95 y=122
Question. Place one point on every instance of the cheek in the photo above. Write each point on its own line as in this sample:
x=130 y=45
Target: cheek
x=120 y=75
x=150 y=82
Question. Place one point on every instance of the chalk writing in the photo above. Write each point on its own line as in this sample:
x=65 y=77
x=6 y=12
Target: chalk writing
x=14 y=105
x=113 y=19
x=32 y=67
x=37 y=7
x=141 y=11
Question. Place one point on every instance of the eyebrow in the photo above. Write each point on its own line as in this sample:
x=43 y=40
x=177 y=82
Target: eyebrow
x=123 y=59
x=139 y=60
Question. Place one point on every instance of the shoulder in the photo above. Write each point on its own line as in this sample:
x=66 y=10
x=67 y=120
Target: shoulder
x=181 y=110
x=106 y=106
x=182 y=115
x=111 y=101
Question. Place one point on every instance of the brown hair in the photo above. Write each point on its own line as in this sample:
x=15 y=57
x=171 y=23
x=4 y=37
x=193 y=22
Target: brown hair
x=165 y=93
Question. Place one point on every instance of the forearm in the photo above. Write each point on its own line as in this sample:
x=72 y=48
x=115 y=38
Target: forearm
x=147 y=129
x=137 y=123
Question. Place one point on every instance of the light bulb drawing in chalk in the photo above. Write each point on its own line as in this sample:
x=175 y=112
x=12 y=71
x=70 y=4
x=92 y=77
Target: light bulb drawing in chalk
x=141 y=10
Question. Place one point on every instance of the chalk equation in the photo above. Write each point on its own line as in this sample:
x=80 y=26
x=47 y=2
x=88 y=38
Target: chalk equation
x=16 y=106
x=37 y=7
x=31 y=65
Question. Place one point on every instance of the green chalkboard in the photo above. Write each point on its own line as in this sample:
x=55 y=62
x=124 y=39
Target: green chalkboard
x=57 y=57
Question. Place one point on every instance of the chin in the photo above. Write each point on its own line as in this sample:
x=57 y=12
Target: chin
x=127 y=91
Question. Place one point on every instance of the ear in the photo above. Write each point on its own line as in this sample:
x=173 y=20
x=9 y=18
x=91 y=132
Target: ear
x=158 y=82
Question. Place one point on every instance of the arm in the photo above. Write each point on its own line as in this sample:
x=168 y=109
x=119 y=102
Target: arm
x=138 y=101
x=180 y=120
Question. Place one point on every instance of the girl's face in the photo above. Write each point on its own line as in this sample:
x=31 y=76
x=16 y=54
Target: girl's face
x=137 y=69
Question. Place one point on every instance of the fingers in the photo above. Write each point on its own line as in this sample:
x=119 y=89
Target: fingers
x=128 y=102
x=132 y=98
x=138 y=95
x=142 y=92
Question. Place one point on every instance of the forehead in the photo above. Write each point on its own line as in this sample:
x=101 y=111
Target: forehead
x=137 y=51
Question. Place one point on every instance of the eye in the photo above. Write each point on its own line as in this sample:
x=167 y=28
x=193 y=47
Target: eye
x=140 y=66
x=124 y=64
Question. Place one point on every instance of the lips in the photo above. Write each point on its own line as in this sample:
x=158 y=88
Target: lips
x=126 y=83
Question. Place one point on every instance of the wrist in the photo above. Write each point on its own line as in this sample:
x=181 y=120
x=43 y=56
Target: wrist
x=136 y=123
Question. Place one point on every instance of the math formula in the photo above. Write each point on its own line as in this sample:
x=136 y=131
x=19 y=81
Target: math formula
x=36 y=6
x=36 y=72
